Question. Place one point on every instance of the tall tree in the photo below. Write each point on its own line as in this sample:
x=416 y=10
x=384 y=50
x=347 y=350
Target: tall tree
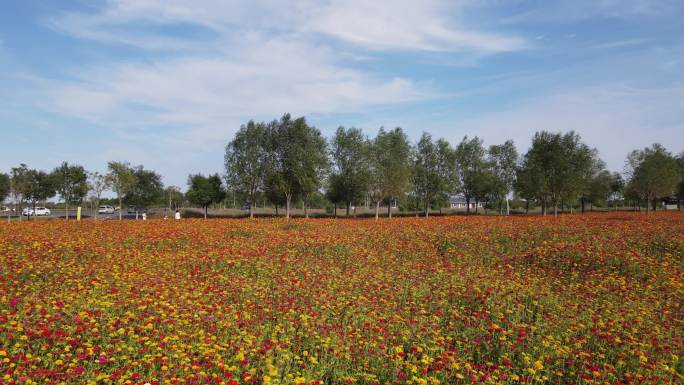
x=172 y=197
x=71 y=183
x=122 y=179
x=350 y=151
x=335 y=192
x=246 y=161
x=561 y=165
x=504 y=162
x=653 y=173
x=471 y=170
x=20 y=185
x=273 y=191
x=5 y=187
x=390 y=164
x=432 y=164
x=97 y=184
x=205 y=191
x=41 y=187
x=527 y=183
x=600 y=188
x=298 y=159
x=146 y=190
x=617 y=188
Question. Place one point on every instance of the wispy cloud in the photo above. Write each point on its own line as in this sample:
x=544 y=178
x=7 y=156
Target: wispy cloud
x=432 y=25
x=228 y=61
x=612 y=117
x=261 y=78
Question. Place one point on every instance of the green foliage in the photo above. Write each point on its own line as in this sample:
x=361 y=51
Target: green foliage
x=5 y=186
x=41 y=186
x=557 y=167
x=246 y=160
x=172 y=197
x=121 y=179
x=146 y=189
x=472 y=170
x=654 y=173
x=390 y=155
x=205 y=191
x=503 y=160
x=601 y=187
x=432 y=170
x=20 y=183
x=71 y=182
x=351 y=172
x=297 y=159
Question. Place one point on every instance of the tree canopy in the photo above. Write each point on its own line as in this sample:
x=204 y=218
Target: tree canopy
x=205 y=191
x=71 y=183
x=653 y=173
x=246 y=161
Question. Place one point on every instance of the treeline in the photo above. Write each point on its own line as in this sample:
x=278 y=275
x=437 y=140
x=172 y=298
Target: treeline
x=287 y=160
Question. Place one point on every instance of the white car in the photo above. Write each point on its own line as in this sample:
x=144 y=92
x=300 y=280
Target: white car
x=105 y=210
x=39 y=212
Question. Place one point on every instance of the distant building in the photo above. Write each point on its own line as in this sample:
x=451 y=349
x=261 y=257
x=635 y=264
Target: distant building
x=459 y=202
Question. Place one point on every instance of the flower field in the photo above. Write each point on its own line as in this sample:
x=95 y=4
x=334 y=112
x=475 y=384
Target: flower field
x=579 y=299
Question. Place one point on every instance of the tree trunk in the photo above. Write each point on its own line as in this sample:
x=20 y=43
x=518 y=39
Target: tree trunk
x=377 y=210
x=66 y=206
x=582 y=201
x=206 y=209
x=348 y=208
x=467 y=205
x=555 y=209
x=335 y=210
x=288 y=198
x=251 y=208
x=508 y=208
x=389 y=208
x=276 y=207
x=476 y=205
x=306 y=209
x=427 y=211
x=120 y=209
x=527 y=206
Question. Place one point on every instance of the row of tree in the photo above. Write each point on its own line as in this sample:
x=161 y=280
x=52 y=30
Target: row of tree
x=287 y=160
x=135 y=186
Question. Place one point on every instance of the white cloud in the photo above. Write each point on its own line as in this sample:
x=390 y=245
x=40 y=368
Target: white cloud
x=261 y=78
x=433 y=25
x=614 y=117
x=411 y=25
x=563 y=11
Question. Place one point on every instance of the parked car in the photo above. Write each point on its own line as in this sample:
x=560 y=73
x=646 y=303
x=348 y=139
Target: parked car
x=39 y=211
x=105 y=209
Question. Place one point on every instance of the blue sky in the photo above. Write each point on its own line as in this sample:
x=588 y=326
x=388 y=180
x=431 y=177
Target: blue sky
x=165 y=83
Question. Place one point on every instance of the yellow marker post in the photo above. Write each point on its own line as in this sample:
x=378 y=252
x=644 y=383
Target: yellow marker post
x=78 y=213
